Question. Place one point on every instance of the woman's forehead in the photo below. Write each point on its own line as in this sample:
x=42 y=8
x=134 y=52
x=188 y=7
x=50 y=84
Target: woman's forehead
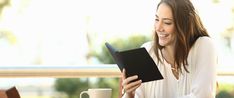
x=164 y=11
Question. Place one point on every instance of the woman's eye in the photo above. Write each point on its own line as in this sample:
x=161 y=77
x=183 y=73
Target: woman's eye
x=168 y=23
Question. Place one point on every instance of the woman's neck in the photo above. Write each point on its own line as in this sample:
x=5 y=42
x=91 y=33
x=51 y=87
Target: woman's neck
x=168 y=54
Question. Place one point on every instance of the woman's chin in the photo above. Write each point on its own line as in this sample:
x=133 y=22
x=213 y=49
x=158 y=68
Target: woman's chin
x=162 y=43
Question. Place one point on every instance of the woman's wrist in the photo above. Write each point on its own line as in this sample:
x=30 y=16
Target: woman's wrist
x=130 y=95
x=127 y=95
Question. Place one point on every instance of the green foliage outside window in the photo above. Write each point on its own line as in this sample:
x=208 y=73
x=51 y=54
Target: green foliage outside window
x=71 y=86
x=225 y=91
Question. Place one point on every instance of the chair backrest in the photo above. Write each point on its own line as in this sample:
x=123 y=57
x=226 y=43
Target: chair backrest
x=9 y=93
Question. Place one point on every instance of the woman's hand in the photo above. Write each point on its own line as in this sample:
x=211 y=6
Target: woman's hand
x=129 y=86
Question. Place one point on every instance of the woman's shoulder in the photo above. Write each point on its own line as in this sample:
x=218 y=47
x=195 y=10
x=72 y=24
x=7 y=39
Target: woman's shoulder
x=203 y=46
x=204 y=41
x=204 y=38
x=147 y=45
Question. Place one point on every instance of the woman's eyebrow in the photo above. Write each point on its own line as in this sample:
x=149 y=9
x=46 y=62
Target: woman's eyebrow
x=164 y=18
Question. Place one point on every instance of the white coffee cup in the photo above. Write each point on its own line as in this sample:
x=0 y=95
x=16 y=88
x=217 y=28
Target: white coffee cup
x=98 y=93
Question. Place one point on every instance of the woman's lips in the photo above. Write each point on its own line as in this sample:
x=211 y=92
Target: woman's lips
x=163 y=35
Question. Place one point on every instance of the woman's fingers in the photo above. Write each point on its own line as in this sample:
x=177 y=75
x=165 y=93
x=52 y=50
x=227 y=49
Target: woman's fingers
x=128 y=85
x=124 y=74
x=129 y=79
x=132 y=86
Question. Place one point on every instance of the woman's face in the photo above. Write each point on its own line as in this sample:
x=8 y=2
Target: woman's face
x=164 y=25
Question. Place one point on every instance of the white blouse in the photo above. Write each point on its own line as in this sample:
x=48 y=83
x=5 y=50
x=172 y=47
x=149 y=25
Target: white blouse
x=200 y=82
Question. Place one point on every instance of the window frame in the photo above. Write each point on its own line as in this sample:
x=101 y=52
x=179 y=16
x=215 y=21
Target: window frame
x=71 y=71
x=102 y=70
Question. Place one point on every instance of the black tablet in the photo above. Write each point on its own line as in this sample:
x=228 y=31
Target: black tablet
x=136 y=62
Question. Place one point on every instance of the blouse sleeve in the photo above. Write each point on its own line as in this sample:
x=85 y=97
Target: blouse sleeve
x=203 y=70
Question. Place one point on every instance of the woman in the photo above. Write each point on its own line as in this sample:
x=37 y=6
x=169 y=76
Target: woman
x=183 y=52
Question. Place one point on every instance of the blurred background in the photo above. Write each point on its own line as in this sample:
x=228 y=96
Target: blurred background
x=71 y=33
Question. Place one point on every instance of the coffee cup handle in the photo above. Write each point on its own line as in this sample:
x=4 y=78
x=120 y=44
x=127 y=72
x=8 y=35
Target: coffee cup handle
x=83 y=92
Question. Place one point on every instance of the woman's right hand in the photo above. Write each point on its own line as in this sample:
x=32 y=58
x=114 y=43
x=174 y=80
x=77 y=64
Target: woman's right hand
x=129 y=86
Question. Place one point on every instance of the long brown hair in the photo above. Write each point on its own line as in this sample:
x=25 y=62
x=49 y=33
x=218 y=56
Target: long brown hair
x=188 y=29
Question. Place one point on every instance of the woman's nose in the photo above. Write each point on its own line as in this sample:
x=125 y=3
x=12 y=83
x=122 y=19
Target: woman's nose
x=159 y=26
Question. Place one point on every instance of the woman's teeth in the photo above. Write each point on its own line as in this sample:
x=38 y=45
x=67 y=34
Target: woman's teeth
x=163 y=35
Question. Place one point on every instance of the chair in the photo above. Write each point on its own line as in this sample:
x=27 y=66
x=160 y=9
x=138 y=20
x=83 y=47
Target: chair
x=9 y=93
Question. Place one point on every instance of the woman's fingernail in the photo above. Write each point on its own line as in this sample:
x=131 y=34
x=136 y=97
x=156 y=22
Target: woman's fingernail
x=136 y=76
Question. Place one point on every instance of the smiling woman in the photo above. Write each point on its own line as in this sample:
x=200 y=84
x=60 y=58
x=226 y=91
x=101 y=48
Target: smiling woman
x=53 y=37
x=180 y=50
